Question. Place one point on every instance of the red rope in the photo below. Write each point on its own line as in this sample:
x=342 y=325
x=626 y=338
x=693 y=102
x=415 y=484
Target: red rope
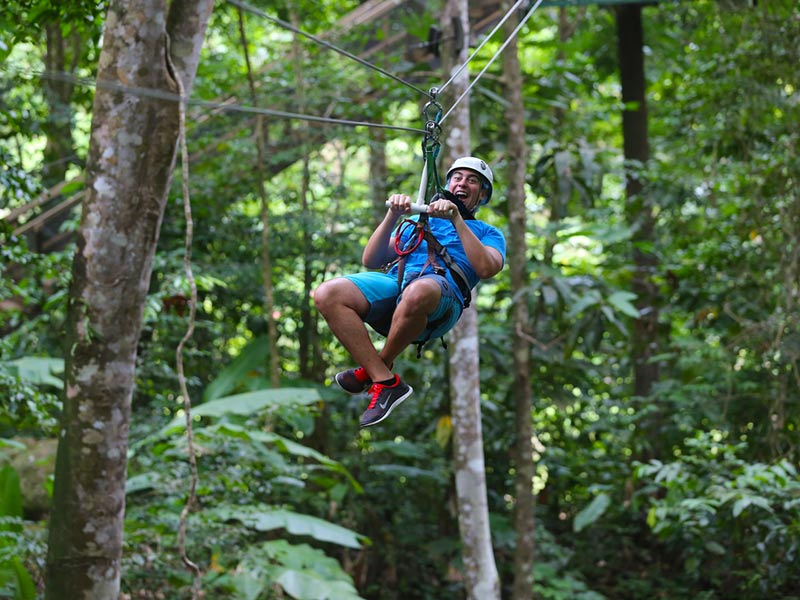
x=412 y=243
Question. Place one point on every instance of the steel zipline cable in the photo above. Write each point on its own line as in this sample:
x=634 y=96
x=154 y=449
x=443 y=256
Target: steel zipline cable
x=481 y=45
x=113 y=86
x=321 y=42
x=235 y=107
x=434 y=91
x=496 y=54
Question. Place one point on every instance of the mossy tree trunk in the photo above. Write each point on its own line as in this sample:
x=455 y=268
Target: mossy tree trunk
x=130 y=163
x=481 y=579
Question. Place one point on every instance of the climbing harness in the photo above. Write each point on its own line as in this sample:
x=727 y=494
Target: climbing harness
x=430 y=188
x=410 y=233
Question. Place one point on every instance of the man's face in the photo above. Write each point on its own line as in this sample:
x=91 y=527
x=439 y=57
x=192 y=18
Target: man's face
x=467 y=185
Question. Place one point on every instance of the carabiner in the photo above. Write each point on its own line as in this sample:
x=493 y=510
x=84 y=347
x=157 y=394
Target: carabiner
x=428 y=115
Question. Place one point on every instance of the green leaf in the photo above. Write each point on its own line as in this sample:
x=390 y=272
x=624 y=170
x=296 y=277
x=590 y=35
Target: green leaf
x=38 y=370
x=72 y=186
x=402 y=448
x=716 y=548
x=263 y=518
x=622 y=302
x=307 y=585
x=10 y=493
x=591 y=298
x=651 y=517
x=612 y=318
x=249 y=403
x=592 y=512
x=7 y=443
x=302 y=571
x=141 y=482
x=291 y=447
x=26 y=589
x=407 y=471
x=742 y=503
x=252 y=402
x=14 y=577
x=251 y=358
x=241 y=404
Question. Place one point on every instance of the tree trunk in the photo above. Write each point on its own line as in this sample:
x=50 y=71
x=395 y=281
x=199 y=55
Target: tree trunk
x=273 y=367
x=481 y=578
x=639 y=211
x=307 y=336
x=378 y=172
x=59 y=148
x=523 y=402
x=130 y=163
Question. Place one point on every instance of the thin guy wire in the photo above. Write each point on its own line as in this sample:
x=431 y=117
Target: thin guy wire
x=482 y=44
x=321 y=42
x=496 y=54
x=162 y=95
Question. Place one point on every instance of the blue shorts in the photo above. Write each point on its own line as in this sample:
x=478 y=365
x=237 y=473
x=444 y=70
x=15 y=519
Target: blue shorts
x=383 y=293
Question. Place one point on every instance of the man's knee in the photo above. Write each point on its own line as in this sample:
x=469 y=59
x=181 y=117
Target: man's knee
x=338 y=292
x=325 y=295
x=422 y=295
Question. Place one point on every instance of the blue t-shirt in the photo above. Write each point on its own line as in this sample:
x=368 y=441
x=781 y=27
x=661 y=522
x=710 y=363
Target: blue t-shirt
x=444 y=231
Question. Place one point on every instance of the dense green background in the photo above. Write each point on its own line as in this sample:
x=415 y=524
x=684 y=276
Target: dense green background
x=689 y=492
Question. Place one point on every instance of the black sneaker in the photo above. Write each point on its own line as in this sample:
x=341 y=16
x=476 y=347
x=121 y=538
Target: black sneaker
x=354 y=381
x=384 y=399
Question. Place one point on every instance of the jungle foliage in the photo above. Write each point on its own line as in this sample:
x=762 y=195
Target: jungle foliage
x=691 y=491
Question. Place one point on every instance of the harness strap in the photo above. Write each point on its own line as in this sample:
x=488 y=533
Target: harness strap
x=458 y=274
x=422 y=231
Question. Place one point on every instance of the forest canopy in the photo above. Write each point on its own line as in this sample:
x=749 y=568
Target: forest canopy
x=661 y=288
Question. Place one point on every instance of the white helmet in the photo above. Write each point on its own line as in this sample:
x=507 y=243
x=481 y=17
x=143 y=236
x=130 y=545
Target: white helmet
x=480 y=167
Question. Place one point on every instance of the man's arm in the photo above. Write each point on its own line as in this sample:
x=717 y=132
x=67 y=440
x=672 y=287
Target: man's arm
x=487 y=262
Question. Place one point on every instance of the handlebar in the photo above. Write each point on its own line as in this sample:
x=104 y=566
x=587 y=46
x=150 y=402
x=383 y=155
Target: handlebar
x=415 y=208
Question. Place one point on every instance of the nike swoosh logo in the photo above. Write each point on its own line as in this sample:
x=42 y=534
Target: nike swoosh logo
x=383 y=404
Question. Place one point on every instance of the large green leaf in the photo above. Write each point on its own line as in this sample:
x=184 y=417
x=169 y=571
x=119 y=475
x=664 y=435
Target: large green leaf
x=7 y=443
x=236 y=374
x=592 y=512
x=14 y=577
x=240 y=404
x=590 y=298
x=304 y=573
x=38 y=370
x=142 y=482
x=249 y=403
x=10 y=493
x=252 y=402
x=308 y=585
x=264 y=518
x=291 y=447
x=13 y=574
x=742 y=503
x=621 y=301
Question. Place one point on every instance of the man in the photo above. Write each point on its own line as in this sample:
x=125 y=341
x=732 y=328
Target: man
x=430 y=298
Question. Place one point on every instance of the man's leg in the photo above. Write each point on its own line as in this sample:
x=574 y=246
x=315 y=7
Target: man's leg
x=410 y=318
x=344 y=307
x=420 y=299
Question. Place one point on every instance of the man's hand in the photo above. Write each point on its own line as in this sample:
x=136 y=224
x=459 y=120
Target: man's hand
x=443 y=209
x=399 y=204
